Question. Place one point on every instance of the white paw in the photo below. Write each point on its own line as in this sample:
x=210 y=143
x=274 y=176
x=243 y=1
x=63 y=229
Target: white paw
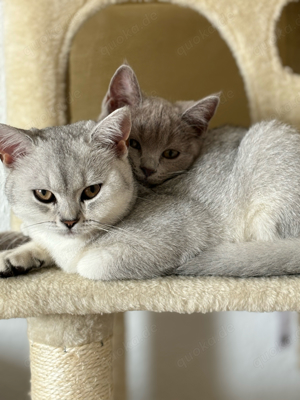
x=100 y=263
x=93 y=264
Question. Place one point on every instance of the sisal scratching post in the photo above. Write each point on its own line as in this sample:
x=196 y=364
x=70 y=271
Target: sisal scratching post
x=71 y=357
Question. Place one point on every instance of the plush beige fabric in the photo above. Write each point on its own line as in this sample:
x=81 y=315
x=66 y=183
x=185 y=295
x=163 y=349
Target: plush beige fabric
x=69 y=330
x=166 y=44
x=55 y=292
x=38 y=36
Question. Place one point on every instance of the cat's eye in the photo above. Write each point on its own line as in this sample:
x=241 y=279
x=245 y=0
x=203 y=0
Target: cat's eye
x=170 y=154
x=45 y=196
x=134 y=144
x=90 y=192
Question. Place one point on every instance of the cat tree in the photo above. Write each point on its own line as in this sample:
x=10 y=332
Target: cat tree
x=70 y=319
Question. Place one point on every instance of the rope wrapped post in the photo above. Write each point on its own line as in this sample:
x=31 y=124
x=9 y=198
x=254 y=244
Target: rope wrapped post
x=71 y=357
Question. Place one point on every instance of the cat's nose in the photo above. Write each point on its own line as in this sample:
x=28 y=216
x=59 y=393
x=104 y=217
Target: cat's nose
x=70 y=224
x=147 y=171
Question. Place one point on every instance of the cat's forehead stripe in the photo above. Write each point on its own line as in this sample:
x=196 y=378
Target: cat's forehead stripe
x=66 y=164
x=159 y=126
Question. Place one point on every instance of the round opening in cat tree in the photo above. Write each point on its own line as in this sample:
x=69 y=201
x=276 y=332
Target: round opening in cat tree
x=287 y=34
x=176 y=53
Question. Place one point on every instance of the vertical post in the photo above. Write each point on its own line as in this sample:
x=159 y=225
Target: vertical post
x=71 y=357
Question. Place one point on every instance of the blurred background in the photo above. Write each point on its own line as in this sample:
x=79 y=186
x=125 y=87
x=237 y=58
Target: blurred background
x=177 y=54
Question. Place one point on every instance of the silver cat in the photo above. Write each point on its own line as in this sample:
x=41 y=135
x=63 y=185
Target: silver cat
x=234 y=213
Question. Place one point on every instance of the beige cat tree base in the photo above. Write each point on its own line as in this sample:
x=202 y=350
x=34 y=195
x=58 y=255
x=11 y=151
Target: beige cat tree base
x=70 y=319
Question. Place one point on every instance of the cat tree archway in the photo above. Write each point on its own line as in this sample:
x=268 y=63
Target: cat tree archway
x=71 y=341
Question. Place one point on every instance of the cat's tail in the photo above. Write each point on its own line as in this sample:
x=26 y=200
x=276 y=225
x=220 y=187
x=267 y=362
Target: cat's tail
x=281 y=257
x=10 y=240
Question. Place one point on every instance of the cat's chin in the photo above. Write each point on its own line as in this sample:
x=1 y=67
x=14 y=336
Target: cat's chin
x=145 y=182
x=79 y=235
x=70 y=234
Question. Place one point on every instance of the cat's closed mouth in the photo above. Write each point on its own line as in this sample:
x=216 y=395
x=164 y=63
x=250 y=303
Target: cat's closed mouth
x=70 y=233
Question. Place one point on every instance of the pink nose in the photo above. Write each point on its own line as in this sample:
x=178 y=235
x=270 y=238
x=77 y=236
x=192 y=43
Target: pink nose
x=147 y=171
x=70 y=224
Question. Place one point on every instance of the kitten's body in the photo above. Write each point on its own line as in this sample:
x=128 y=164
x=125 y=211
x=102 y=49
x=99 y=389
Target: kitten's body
x=249 y=180
x=231 y=214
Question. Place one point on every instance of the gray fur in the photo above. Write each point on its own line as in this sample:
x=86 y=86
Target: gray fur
x=280 y=257
x=158 y=125
x=235 y=212
x=11 y=240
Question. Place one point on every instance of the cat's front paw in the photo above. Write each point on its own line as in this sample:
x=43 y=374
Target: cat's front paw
x=17 y=262
x=101 y=263
x=9 y=267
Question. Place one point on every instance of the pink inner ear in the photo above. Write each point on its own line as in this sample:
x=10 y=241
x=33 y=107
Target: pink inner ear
x=121 y=148
x=9 y=153
x=123 y=143
x=6 y=159
x=111 y=106
x=126 y=128
x=111 y=103
x=123 y=89
x=117 y=102
x=114 y=130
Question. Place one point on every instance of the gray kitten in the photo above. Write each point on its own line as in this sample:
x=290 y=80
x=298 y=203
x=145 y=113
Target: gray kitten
x=235 y=212
x=165 y=138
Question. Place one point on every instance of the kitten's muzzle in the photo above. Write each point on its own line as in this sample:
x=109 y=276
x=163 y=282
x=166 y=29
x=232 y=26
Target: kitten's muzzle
x=69 y=224
x=147 y=171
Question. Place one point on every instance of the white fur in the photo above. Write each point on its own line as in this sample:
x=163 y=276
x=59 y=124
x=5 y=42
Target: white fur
x=244 y=187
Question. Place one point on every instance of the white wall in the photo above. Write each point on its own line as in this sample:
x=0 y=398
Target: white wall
x=253 y=364
x=14 y=360
x=217 y=356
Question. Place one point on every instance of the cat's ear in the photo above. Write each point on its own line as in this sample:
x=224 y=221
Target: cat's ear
x=14 y=143
x=124 y=90
x=200 y=114
x=114 y=130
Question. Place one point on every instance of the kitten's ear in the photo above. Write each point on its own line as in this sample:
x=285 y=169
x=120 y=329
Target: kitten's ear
x=124 y=90
x=14 y=143
x=114 y=131
x=200 y=114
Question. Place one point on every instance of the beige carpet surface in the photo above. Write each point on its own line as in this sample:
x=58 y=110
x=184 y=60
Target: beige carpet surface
x=54 y=292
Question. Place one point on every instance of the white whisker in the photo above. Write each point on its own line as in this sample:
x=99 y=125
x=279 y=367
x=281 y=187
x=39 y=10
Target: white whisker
x=39 y=223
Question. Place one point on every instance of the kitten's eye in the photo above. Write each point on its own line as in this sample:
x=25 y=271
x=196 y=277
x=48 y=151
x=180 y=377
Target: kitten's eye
x=45 y=196
x=170 y=154
x=134 y=144
x=90 y=192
